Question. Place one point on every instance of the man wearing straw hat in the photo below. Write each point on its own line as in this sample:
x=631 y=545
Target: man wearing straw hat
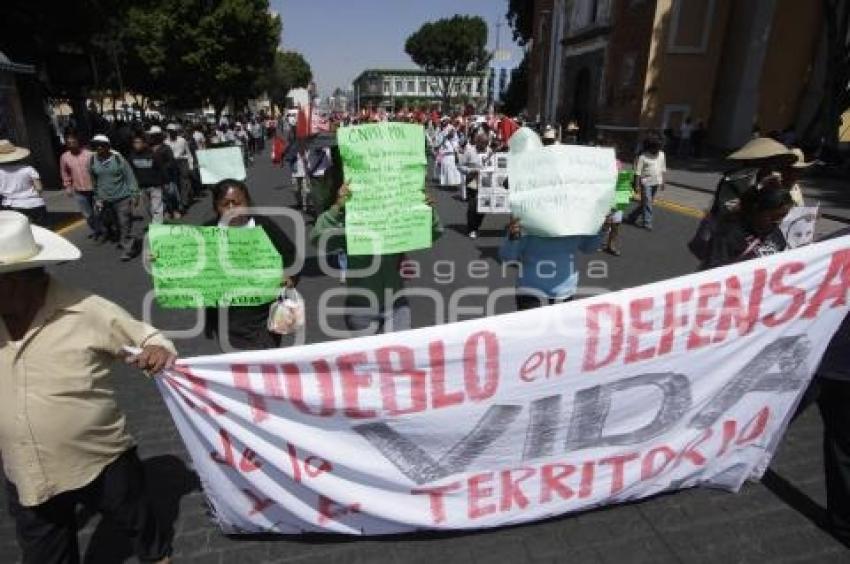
x=63 y=438
x=20 y=184
x=757 y=160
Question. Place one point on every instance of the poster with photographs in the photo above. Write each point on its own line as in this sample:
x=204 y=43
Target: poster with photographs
x=501 y=161
x=492 y=191
x=799 y=226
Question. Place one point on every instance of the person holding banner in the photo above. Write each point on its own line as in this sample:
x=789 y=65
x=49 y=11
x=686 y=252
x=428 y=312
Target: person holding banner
x=370 y=303
x=246 y=325
x=63 y=436
x=754 y=230
x=547 y=273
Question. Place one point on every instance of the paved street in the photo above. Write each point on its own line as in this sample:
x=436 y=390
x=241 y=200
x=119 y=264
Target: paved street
x=773 y=521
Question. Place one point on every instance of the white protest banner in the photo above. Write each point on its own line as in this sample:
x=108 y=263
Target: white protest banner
x=517 y=417
x=799 y=226
x=220 y=164
x=560 y=190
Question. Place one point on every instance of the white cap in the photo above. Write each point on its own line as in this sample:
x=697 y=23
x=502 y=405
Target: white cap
x=172 y=127
x=154 y=130
x=101 y=138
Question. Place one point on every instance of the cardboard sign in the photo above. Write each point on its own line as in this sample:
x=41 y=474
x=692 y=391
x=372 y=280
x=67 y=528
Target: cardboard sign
x=513 y=418
x=213 y=266
x=220 y=164
x=560 y=190
x=385 y=167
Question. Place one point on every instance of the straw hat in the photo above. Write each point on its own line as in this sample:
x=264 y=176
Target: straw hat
x=10 y=153
x=801 y=159
x=24 y=246
x=764 y=149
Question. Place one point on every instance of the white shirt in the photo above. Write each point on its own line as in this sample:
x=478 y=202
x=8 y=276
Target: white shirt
x=651 y=169
x=685 y=130
x=200 y=141
x=180 y=148
x=17 y=186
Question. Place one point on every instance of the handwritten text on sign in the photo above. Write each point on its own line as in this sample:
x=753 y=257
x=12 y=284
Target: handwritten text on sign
x=385 y=167
x=516 y=417
x=213 y=266
x=560 y=190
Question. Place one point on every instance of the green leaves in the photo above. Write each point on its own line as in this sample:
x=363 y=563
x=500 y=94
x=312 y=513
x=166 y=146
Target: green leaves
x=450 y=48
x=288 y=71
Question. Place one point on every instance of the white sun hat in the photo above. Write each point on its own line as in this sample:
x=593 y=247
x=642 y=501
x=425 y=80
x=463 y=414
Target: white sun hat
x=154 y=130
x=24 y=246
x=10 y=153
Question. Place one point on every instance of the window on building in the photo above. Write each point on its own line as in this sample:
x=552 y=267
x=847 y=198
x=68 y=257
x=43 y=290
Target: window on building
x=399 y=86
x=411 y=86
x=423 y=86
x=690 y=26
x=386 y=87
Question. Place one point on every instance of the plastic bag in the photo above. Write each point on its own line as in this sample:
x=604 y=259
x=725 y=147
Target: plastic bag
x=286 y=314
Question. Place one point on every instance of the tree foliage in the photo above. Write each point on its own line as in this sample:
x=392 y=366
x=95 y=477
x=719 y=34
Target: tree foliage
x=449 y=49
x=182 y=52
x=521 y=19
x=289 y=70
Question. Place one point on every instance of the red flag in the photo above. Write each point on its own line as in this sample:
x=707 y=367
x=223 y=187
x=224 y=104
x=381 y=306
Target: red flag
x=302 y=126
x=507 y=127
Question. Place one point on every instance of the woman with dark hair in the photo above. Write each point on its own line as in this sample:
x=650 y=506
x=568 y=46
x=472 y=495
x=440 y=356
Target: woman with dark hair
x=246 y=325
x=753 y=231
x=650 y=168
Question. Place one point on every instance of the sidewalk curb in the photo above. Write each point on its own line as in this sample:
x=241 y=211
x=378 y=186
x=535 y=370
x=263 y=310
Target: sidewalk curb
x=829 y=216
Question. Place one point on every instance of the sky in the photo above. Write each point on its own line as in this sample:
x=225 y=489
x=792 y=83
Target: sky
x=341 y=38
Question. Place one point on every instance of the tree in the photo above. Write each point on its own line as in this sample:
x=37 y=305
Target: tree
x=289 y=70
x=836 y=98
x=516 y=97
x=234 y=44
x=450 y=49
x=521 y=19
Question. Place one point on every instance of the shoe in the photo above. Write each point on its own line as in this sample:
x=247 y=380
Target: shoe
x=612 y=251
x=473 y=234
x=648 y=227
x=176 y=215
x=126 y=256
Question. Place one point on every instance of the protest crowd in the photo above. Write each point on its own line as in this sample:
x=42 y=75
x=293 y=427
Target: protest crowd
x=64 y=441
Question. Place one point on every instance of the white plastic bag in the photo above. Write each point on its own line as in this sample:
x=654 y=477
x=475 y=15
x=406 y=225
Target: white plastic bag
x=286 y=314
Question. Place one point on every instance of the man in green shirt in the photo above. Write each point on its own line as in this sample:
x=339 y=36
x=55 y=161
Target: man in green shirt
x=115 y=192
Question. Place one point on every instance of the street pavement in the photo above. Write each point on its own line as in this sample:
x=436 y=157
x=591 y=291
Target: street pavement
x=777 y=520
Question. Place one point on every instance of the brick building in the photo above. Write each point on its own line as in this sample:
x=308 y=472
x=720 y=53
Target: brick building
x=625 y=67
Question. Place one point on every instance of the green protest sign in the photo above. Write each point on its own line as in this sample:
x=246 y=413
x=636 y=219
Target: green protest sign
x=385 y=167
x=623 y=195
x=220 y=164
x=213 y=266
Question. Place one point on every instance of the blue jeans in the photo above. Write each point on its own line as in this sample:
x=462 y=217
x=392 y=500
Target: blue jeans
x=647 y=197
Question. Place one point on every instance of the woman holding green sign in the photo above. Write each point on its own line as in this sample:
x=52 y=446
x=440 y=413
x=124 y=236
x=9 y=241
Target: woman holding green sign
x=378 y=288
x=246 y=325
